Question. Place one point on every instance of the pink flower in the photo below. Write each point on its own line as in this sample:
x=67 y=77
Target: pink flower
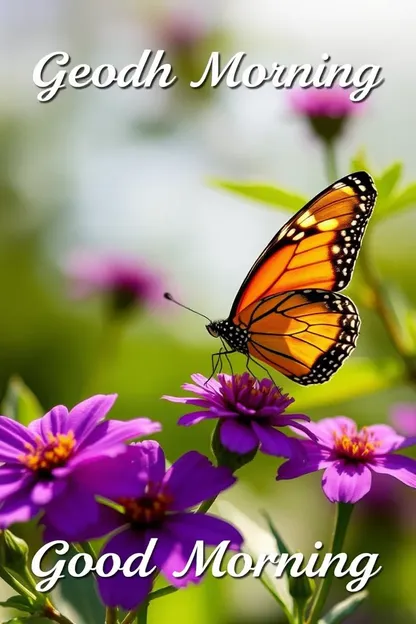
x=326 y=109
x=403 y=417
x=126 y=281
x=325 y=102
x=350 y=457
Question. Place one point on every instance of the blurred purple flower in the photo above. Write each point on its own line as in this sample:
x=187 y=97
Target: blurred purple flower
x=350 y=457
x=127 y=281
x=157 y=507
x=248 y=410
x=326 y=109
x=45 y=466
x=181 y=30
x=403 y=417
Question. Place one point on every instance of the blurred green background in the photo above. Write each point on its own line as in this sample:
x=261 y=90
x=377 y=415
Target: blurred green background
x=125 y=171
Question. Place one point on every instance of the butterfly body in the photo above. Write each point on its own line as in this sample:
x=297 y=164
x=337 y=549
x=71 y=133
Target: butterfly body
x=288 y=313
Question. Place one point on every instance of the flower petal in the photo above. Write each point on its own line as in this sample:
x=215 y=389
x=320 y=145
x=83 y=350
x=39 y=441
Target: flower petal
x=345 y=482
x=119 y=590
x=84 y=417
x=17 y=508
x=193 y=479
x=150 y=458
x=111 y=435
x=274 y=442
x=72 y=511
x=55 y=421
x=13 y=479
x=388 y=439
x=108 y=520
x=44 y=491
x=171 y=555
x=238 y=438
x=13 y=440
x=317 y=458
x=193 y=418
x=327 y=428
x=398 y=466
x=210 y=529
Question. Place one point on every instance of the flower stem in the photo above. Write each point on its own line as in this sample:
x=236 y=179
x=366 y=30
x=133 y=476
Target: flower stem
x=331 y=161
x=109 y=342
x=16 y=584
x=343 y=516
x=386 y=314
x=111 y=615
x=53 y=614
x=142 y=613
x=163 y=591
x=206 y=505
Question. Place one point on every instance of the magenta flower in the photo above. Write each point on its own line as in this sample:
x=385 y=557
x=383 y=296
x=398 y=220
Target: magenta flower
x=248 y=410
x=326 y=109
x=126 y=281
x=45 y=466
x=158 y=507
x=403 y=417
x=350 y=457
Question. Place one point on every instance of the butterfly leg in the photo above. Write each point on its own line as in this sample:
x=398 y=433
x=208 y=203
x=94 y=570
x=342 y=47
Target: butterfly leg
x=219 y=355
x=260 y=366
x=225 y=352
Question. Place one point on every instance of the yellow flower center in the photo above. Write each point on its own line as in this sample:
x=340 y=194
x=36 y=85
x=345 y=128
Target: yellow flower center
x=358 y=445
x=146 y=510
x=45 y=456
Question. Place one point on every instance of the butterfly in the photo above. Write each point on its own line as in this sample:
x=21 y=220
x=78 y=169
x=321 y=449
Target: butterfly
x=288 y=313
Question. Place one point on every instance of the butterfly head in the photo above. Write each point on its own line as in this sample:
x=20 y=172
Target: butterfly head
x=213 y=329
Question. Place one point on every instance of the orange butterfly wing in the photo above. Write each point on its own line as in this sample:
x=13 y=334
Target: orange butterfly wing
x=304 y=334
x=318 y=246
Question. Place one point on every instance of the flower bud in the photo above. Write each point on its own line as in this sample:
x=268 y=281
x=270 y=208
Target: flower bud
x=301 y=589
x=227 y=458
x=13 y=552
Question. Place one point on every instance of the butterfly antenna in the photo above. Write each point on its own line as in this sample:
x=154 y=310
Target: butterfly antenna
x=169 y=297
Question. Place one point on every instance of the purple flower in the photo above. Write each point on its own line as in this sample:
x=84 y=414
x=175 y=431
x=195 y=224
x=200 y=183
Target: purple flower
x=403 y=417
x=46 y=466
x=326 y=109
x=157 y=507
x=248 y=410
x=126 y=281
x=350 y=457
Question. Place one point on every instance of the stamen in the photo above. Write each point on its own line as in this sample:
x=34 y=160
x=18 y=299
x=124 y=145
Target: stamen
x=45 y=456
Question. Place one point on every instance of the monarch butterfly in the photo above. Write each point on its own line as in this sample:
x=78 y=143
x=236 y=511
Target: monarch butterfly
x=288 y=313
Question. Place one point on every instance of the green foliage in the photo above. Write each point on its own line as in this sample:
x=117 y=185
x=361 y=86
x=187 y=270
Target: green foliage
x=81 y=596
x=263 y=192
x=344 y=609
x=20 y=603
x=31 y=619
x=20 y=403
x=358 y=377
x=391 y=199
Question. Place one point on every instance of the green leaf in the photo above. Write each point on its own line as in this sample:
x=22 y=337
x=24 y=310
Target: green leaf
x=81 y=596
x=388 y=180
x=402 y=201
x=359 y=161
x=283 y=549
x=31 y=619
x=358 y=377
x=20 y=403
x=258 y=541
x=344 y=609
x=263 y=192
x=21 y=603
